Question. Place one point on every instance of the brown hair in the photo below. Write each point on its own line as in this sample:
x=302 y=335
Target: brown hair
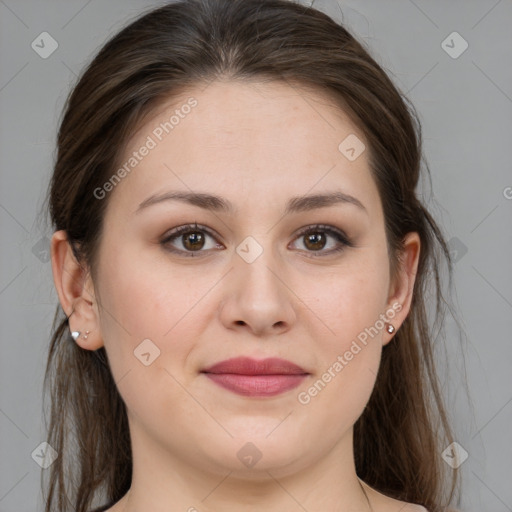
x=402 y=431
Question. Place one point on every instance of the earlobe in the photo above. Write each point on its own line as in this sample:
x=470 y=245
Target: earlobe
x=401 y=290
x=70 y=279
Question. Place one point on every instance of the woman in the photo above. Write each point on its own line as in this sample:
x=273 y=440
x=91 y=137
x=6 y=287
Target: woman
x=242 y=266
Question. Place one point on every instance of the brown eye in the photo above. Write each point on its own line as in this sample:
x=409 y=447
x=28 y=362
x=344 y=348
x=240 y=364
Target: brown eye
x=316 y=238
x=315 y=241
x=192 y=239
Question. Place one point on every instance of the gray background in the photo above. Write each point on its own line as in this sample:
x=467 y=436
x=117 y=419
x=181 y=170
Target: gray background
x=465 y=105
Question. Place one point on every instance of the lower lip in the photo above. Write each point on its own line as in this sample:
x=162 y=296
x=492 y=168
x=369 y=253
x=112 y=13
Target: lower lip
x=256 y=385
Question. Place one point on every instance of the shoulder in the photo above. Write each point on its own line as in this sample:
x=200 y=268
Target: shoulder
x=113 y=506
x=419 y=508
x=104 y=508
x=393 y=505
x=411 y=507
x=386 y=503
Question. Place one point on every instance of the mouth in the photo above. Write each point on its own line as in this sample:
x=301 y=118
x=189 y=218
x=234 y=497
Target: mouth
x=251 y=377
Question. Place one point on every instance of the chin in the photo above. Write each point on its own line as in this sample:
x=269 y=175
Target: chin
x=253 y=455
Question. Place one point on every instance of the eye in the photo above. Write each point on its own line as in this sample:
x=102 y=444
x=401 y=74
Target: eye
x=191 y=238
x=315 y=239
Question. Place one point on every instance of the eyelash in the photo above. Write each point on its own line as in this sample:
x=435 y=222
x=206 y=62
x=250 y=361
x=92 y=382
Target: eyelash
x=317 y=228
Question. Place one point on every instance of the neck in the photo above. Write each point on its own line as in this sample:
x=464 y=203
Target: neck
x=162 y=480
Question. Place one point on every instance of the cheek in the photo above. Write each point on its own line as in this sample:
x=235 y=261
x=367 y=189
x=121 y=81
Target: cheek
x=348 y=364
x=149 y=300
x=144 y=294
x=348 y=352
x=147 y=336
x=350 y=302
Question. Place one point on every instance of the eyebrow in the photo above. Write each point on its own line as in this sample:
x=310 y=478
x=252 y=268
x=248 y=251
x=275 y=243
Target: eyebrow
x=219 y=204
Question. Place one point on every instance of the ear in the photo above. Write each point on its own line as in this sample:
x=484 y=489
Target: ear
x=401 y=289
x=76 y=292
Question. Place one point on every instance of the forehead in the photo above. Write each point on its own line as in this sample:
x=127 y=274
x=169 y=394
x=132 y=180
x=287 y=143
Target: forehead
x=265 y=137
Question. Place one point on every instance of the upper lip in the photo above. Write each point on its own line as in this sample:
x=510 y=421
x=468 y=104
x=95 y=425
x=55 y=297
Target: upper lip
x=248 y=366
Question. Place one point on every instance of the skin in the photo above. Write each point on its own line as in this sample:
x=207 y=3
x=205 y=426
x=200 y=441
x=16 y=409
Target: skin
x=255 y=144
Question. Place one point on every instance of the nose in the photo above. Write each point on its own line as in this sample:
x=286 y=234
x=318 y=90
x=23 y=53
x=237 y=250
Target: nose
x=257 y=298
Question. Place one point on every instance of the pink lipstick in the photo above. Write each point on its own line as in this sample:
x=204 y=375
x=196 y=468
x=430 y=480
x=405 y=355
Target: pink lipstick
x=251 y=377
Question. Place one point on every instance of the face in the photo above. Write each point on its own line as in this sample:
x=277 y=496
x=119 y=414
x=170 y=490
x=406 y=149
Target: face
x=266 y=273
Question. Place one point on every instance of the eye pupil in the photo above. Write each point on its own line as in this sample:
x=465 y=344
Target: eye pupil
x=315 y=238
x=194 y=238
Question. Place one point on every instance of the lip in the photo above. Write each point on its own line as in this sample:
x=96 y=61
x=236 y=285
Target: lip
x=252 y=377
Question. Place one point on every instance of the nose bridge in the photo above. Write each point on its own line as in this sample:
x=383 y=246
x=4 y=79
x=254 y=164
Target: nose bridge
x=258 y=260
x=257 y=296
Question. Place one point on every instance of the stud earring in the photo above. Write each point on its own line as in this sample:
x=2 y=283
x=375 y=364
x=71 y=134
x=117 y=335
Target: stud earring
x=390 y=329
x=76 y=334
